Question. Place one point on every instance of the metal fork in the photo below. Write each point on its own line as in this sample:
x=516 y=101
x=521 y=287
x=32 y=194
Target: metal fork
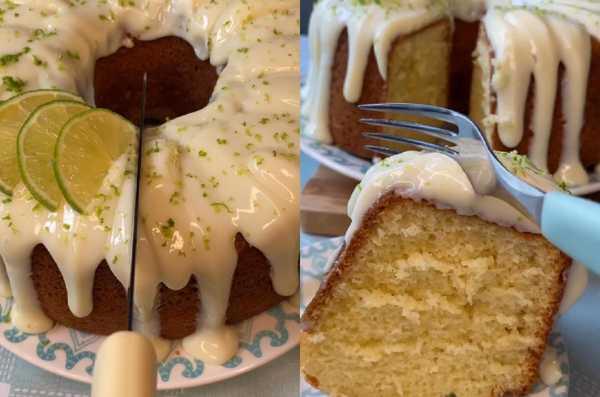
x=571 y=223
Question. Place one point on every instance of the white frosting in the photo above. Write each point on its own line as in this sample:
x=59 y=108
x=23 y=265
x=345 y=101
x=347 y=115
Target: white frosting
x=529 y=45
x=577 y=282
x=549 y=370
x=229 y=168
x=529 y=38
x=468 y=10
x=435 y=178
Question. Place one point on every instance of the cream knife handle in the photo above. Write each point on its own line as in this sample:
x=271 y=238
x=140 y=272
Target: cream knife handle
x=125 y=367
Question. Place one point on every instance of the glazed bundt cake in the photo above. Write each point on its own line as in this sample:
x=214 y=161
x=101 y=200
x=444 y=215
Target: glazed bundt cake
x=436 y=291
x=420 y=51
x=219 y=178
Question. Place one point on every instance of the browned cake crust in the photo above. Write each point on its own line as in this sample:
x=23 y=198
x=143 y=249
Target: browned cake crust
x=344 y=117
x=343 y=261
x=464 y=41
x=251 y=293
x=178 y=82
x=590 y=133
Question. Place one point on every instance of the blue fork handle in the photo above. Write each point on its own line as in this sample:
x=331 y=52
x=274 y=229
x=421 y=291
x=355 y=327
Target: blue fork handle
x=573 y=225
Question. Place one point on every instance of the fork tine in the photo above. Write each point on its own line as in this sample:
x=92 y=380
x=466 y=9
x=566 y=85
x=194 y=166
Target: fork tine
x=434 y=112
x=386 y=151
x=412 y=142
x=435 y=132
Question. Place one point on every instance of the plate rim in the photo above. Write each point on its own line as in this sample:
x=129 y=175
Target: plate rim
x=31 y=357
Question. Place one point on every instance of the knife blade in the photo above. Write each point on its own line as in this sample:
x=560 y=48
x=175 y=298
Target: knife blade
x=136 y=206
x=125 y=364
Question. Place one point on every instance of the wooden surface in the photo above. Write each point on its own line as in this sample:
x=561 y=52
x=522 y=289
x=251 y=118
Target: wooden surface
x=324 y=201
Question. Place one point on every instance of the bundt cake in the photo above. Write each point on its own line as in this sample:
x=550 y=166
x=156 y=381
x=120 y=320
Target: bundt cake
x=420 y=51
x=220 y=175
x=436 y=291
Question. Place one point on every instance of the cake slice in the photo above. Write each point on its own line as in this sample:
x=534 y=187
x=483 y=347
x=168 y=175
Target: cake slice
x=437 y=291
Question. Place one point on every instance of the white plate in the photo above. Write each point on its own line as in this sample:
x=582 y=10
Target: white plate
x=70 y=353
x=355 y=167
x=314 y=264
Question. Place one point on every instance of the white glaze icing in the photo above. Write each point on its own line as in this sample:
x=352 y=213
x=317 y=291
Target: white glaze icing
x=528 y=37
x=229 y=168
x=577 y=281
x=530 y=46
x=549 y=370
x=433 y=177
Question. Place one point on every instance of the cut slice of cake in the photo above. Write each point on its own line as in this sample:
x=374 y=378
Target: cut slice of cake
x=436 y=292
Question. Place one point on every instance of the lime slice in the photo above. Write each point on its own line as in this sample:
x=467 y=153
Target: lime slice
x=13 y=114
x=35 y=149
x=86 y=148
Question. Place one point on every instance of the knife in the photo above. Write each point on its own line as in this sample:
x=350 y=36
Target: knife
x=125 y=364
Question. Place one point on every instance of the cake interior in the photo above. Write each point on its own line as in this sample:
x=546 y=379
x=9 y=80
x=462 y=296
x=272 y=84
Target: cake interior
x=423 y=299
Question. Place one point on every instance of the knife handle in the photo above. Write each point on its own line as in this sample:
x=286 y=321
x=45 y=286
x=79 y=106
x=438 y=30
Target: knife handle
x=125 y=367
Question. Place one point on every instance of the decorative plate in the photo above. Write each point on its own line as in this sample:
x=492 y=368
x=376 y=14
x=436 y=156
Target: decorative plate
x=71 y=354
x=355 y=167
x=314 y=263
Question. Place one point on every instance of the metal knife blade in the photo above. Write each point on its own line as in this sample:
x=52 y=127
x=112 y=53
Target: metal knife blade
x=136 y=205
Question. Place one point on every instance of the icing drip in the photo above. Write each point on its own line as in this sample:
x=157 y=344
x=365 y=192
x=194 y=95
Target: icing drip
x=529 y=38
x=550 y=371
x=577 y=282
x=433 y=177
x=371 y=25
x=528 y=45
x=468 y=10
x=368 y=26
x=229 y=168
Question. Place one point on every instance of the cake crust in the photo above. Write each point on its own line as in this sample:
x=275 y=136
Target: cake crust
x=342 y=263
x=251 y=293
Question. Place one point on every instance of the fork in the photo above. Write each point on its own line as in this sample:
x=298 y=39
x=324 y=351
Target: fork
x=571 y=223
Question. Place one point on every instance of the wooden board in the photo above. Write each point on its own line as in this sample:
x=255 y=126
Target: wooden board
x=324 y=201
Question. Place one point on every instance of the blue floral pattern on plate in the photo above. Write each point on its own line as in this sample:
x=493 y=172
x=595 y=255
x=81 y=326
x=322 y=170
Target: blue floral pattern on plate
x=71 y=353
x=335 y=158
x=315 y=260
